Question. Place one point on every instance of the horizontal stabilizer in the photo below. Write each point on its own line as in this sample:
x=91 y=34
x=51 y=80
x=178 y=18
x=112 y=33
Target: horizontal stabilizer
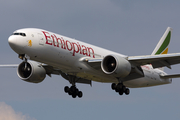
x=170 y=76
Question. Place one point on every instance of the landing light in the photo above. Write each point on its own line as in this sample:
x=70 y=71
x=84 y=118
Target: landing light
x=21 y=56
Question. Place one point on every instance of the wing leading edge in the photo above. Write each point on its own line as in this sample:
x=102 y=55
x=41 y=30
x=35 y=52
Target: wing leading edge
x=163 y=60
x=157 y=61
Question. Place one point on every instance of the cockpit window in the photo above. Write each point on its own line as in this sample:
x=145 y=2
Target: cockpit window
x=22 y=34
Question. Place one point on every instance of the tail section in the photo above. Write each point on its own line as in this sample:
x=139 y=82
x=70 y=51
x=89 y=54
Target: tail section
x=163 y=44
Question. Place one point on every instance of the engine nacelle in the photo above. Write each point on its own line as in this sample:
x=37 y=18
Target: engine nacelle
x=31 y=72
x=116 y=65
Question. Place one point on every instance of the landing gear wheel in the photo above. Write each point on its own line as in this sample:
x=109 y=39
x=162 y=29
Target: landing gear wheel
x=124 y=88
x=127 y=91
x=113 y=86
x=74 y=95
x=76 y=91
x=80 y=94
x=119 y=86
x=70 y=92
x=73 y=88
x=117 y=90
x=121 y=92
x=73 y=91
x=66 y=89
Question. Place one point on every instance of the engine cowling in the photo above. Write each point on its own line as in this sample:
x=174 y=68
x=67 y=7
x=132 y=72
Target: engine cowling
x=116 y=65
x=31 y=72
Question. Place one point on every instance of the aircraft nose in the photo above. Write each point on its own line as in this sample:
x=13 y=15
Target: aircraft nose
x=12 y=41
x=15 y=45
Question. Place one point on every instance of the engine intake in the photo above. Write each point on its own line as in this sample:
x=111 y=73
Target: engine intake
x=31 y=72
x=117 y=65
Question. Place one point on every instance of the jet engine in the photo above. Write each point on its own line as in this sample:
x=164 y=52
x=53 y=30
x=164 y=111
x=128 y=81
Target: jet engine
x=31 y=72
x=116 y=65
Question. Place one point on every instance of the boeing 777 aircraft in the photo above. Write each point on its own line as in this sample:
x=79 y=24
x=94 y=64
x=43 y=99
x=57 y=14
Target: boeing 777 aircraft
x=46 y=53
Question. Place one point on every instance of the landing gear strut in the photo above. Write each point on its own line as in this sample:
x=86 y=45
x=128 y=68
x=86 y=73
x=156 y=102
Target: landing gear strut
x=120 y=88
x=73 y=90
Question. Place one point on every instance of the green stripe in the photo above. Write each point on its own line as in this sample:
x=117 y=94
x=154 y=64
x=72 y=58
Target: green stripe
x=165 y=44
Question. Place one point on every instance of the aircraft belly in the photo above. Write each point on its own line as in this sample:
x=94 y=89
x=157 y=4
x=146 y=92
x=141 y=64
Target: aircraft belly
x=144 y=82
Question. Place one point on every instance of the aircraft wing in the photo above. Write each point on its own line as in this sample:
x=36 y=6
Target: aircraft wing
x=9 y=66
x=51 y=70
x=95 y=63
x=163 y=60
x=170 y=76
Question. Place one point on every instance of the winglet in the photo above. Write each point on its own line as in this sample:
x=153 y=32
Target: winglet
x=162 y=46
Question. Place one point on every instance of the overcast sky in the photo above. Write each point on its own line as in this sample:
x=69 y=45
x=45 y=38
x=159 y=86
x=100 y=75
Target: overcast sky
x=130 y=27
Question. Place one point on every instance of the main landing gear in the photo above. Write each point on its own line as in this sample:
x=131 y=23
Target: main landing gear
x=120 y=88
x=73 y=90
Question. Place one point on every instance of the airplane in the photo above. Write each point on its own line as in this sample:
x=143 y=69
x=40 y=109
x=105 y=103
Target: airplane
x=46 y=53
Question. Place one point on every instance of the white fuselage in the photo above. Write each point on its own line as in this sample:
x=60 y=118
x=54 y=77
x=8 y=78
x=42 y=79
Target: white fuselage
x=67 y=54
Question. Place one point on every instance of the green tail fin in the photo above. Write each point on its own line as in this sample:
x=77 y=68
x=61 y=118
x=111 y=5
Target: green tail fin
x=162 y=46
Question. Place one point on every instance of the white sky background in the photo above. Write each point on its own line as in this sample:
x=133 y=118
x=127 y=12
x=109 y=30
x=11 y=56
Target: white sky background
x=125 y=26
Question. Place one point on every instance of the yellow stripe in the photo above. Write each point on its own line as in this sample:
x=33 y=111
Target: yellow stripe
x=165 y=52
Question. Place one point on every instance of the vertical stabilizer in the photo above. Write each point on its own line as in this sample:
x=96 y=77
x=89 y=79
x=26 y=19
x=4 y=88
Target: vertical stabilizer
x=163 y=44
